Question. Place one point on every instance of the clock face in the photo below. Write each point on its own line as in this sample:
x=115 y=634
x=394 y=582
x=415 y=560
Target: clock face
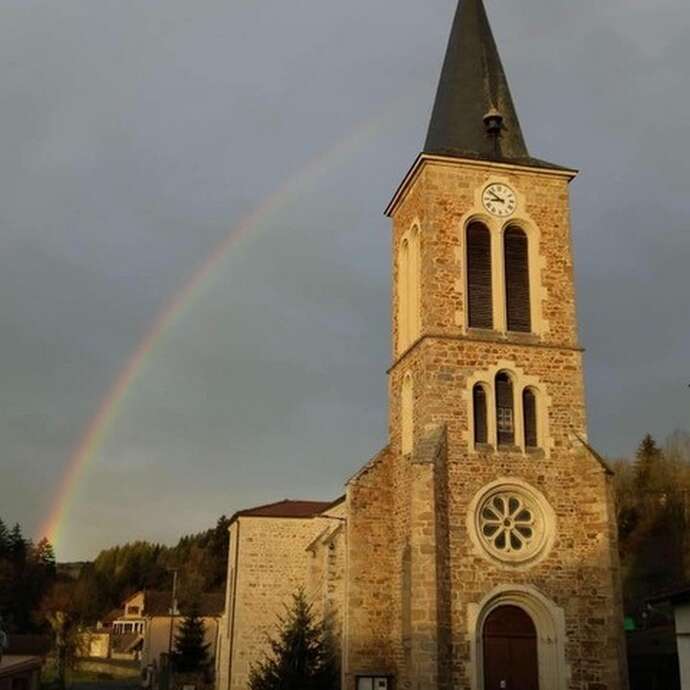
x=499 y=200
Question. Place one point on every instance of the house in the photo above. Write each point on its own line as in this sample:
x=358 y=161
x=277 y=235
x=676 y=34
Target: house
x=148 y=629
x=20 y=672
x=145 y=628
x=478 y=549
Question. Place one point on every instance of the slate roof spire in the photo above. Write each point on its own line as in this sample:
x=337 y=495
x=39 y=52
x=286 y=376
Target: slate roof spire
x=473 y=84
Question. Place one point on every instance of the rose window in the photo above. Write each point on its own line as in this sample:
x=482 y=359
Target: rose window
x=510 y=523
x=507 y=523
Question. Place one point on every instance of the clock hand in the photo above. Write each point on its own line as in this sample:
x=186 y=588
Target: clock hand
x=497 y=198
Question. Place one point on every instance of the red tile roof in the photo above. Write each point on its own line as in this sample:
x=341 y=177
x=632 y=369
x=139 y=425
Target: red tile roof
x=287 y=509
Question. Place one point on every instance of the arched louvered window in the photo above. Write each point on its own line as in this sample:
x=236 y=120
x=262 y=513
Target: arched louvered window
x=516 y=253
x=407 y=415
x=403 y=296
x=413 y=281
x=479 y=298
x=505 y=410
x=529 y=411
x=409 y=290
x=481 y=432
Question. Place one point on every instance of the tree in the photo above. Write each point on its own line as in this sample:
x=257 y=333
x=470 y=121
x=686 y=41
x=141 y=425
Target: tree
x=302 y=657
x=60 y=611
x=200 y=559
x=4 y=540
x=44 y=554
x=218 y=553
x=646 y=464
x=191 y=652
x=18 y=545
x=653 y=500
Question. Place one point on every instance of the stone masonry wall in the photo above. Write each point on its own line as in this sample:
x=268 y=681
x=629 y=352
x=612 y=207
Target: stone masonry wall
x=436 y=571
x=441 y=198
x=273 y=564
x=373 y=566
x=326 y=583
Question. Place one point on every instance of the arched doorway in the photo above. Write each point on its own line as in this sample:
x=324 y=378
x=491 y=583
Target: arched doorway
x=510 y=650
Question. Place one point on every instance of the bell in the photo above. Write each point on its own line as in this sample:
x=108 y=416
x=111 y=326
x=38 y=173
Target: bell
x=493 y=121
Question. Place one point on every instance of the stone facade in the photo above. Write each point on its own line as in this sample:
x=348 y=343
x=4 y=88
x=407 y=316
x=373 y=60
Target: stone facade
x=416 y=610
x=271 y=557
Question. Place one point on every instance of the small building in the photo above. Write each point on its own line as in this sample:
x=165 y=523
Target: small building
x=148 y=623
x=652 y=658
x=679 y=601
x=95 y=644
x=20 y=672
x=132 y=619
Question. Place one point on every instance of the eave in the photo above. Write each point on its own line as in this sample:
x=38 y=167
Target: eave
x=425 y=158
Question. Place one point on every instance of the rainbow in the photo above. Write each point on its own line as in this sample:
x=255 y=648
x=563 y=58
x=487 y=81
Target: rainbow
x=101 y=423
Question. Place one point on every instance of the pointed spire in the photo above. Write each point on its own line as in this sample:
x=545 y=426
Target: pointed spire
x=473 y=114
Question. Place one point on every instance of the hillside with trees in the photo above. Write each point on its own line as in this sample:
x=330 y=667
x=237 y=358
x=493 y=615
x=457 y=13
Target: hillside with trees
x=31 y=583
x=653 y=504
x=200 y=560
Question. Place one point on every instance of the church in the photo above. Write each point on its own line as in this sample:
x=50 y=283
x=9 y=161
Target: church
x=478 y=549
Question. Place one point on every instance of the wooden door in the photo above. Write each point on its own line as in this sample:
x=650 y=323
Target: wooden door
x=510 y=650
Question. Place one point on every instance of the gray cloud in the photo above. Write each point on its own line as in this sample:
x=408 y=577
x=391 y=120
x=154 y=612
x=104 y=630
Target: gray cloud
x=136 y=134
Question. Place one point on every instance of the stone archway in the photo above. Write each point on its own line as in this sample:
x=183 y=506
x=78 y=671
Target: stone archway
x=549 y=624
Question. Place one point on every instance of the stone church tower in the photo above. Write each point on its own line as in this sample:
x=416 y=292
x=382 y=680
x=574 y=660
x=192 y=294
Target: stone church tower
x=481 y=543
x=477 y=551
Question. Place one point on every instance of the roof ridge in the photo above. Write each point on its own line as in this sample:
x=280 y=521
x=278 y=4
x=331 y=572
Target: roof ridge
x=310 y=508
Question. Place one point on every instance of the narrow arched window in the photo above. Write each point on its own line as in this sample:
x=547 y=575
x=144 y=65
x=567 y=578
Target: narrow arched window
x=407 y=415
x=505 y=410
x=516 y=252
x=529 y=411
x=403 y=296
x=481 y=433
x=413 y=281
x=479 y=297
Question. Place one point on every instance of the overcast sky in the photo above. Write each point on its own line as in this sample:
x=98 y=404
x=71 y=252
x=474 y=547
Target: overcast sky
x=135 y=135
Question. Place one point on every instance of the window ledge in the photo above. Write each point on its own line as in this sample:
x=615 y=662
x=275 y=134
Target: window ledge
x=494 y=334
x=475 y=330
x=484 y=448
x=522 y=336
x=509 y=449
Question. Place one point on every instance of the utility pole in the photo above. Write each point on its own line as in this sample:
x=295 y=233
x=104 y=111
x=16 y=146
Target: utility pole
x=173 y=610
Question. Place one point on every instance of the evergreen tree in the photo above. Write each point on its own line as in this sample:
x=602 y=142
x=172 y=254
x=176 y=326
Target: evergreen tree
x=191 y=652
x=217 y=550
x=18 y=545
x=4 y=540
x=646 y=462
x=302 y=657
x=45 y=556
